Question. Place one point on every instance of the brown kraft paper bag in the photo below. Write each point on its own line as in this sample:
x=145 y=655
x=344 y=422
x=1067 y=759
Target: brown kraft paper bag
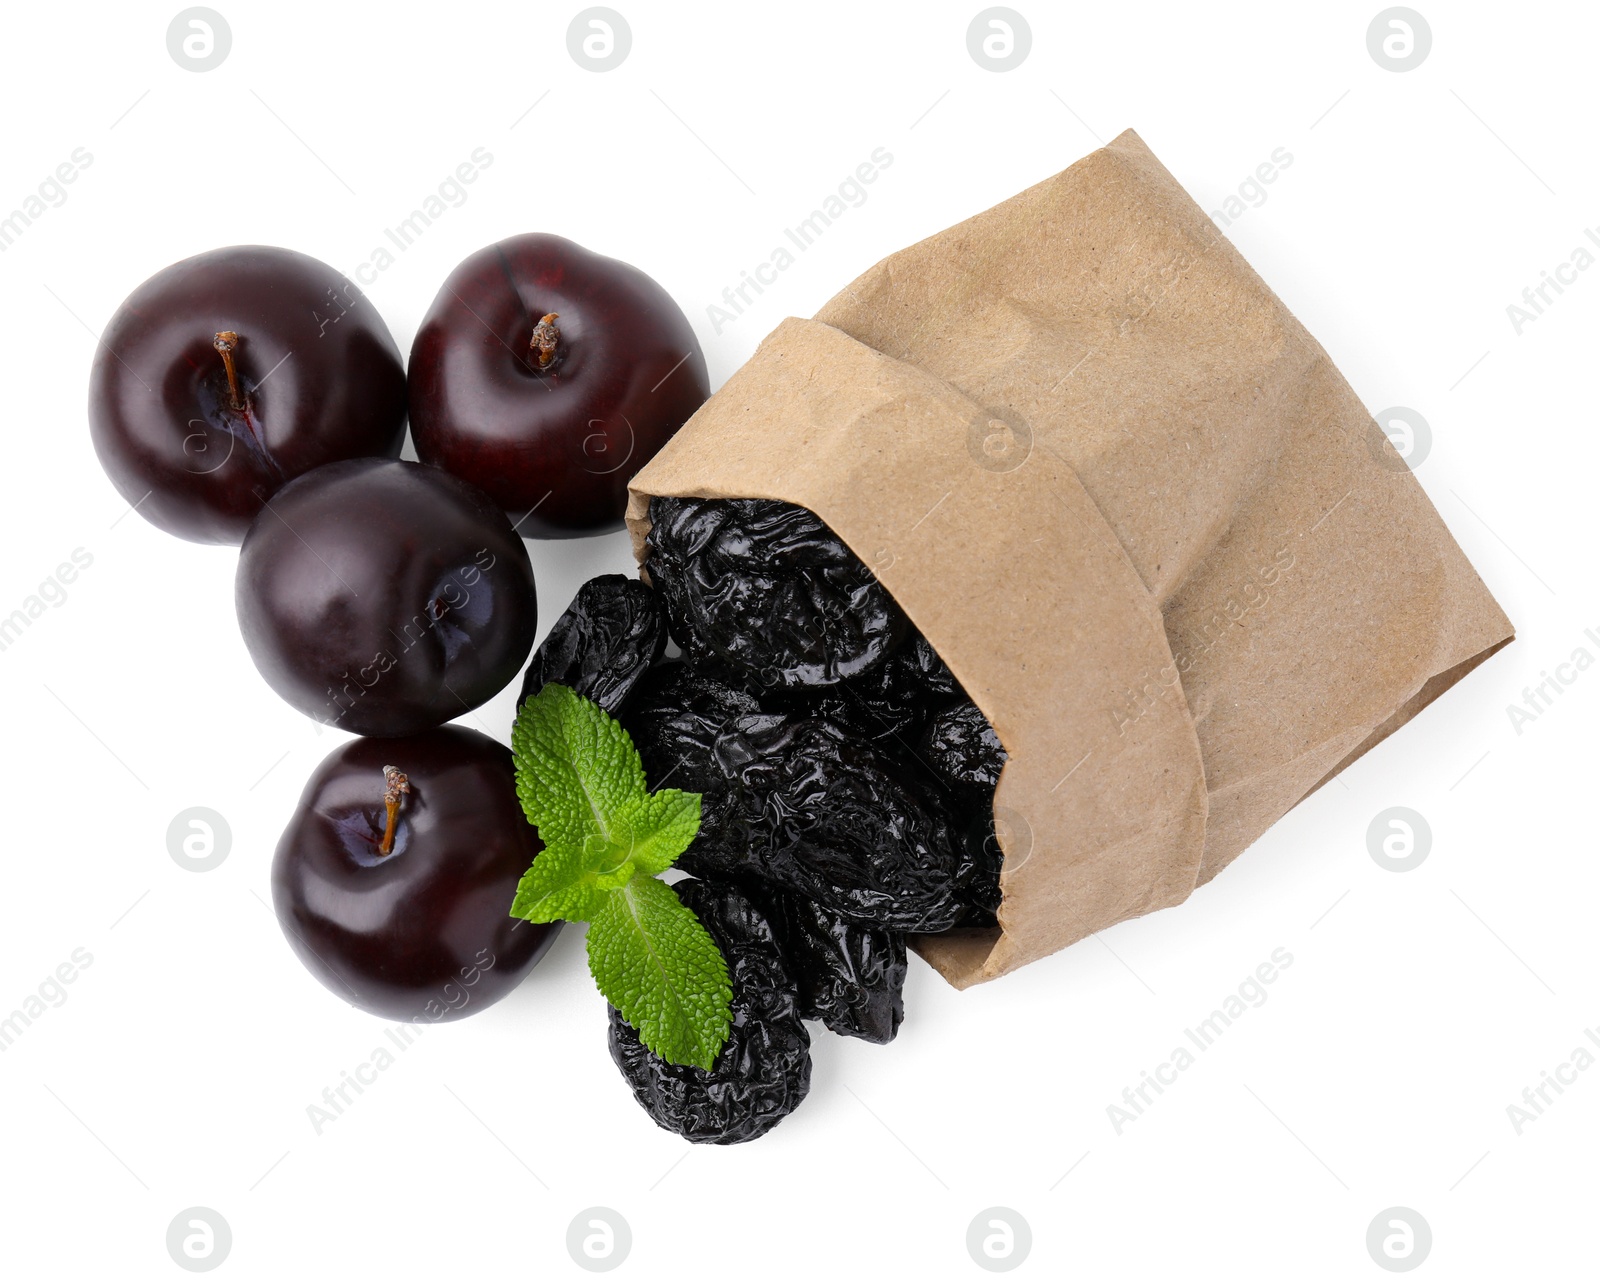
x=1135 y=508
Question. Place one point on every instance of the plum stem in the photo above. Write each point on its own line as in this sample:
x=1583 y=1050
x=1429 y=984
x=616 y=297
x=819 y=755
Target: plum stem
x=226 y=343
x=395 y=785
x=546 y=340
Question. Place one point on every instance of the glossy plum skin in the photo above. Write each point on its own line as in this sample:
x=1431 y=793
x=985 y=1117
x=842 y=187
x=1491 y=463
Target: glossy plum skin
x=385 y=597
x=320 y=379
x=424 y=932
x=564 y=442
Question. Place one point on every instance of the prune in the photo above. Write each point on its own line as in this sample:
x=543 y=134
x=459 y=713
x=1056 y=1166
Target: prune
x=916 y=672
x=963 y=750
x=800 y=803
x=767 y=589
x=851 y=979
x=674 y=718
x=603 y=644
x=764 y=1070
x=890 y=702
x=862 y=713
x=979 y=876
x=876 y=706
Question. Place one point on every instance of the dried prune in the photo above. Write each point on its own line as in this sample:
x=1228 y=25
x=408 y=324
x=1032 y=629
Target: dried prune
x=981 y=859
x=869 y=707
x=767 y=589
x=890 y=702
x=674 y=718
x=963 y=750
x=917 y=672
x=851 y=979
x=603 y=644
x=802 y=804
x=764 y=1070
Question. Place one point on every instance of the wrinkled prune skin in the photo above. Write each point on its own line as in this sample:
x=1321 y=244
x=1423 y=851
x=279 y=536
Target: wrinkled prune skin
x=981 y=860
x=768 y=590
x=603 y=644
x=962 y=749
x=674 y=719
x=868 y=707
x=764 y=1070
x=851 y=979
x=892 y=702
x=916 y=672
x=803 y=805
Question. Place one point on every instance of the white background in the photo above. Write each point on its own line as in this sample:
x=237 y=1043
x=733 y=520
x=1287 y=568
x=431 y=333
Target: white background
x=1418 y=1005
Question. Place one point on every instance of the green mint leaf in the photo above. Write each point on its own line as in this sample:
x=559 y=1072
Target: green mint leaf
x=654 y=961
x=577 y=770
x=662 y=825
x=606 y=838
x=564 y=882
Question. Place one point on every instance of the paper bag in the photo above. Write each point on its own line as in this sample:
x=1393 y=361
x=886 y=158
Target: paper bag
x=1135 y=508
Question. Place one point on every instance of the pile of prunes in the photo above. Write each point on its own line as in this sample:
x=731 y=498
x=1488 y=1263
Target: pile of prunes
x=847 y=786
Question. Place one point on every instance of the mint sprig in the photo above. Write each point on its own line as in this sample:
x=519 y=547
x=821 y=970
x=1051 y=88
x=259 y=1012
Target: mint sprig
x=606 y=839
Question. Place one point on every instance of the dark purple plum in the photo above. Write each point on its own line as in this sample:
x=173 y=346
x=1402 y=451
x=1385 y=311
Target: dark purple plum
x=226 y=375
x=548 y=375
x=385 y=597
x=394 y=878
